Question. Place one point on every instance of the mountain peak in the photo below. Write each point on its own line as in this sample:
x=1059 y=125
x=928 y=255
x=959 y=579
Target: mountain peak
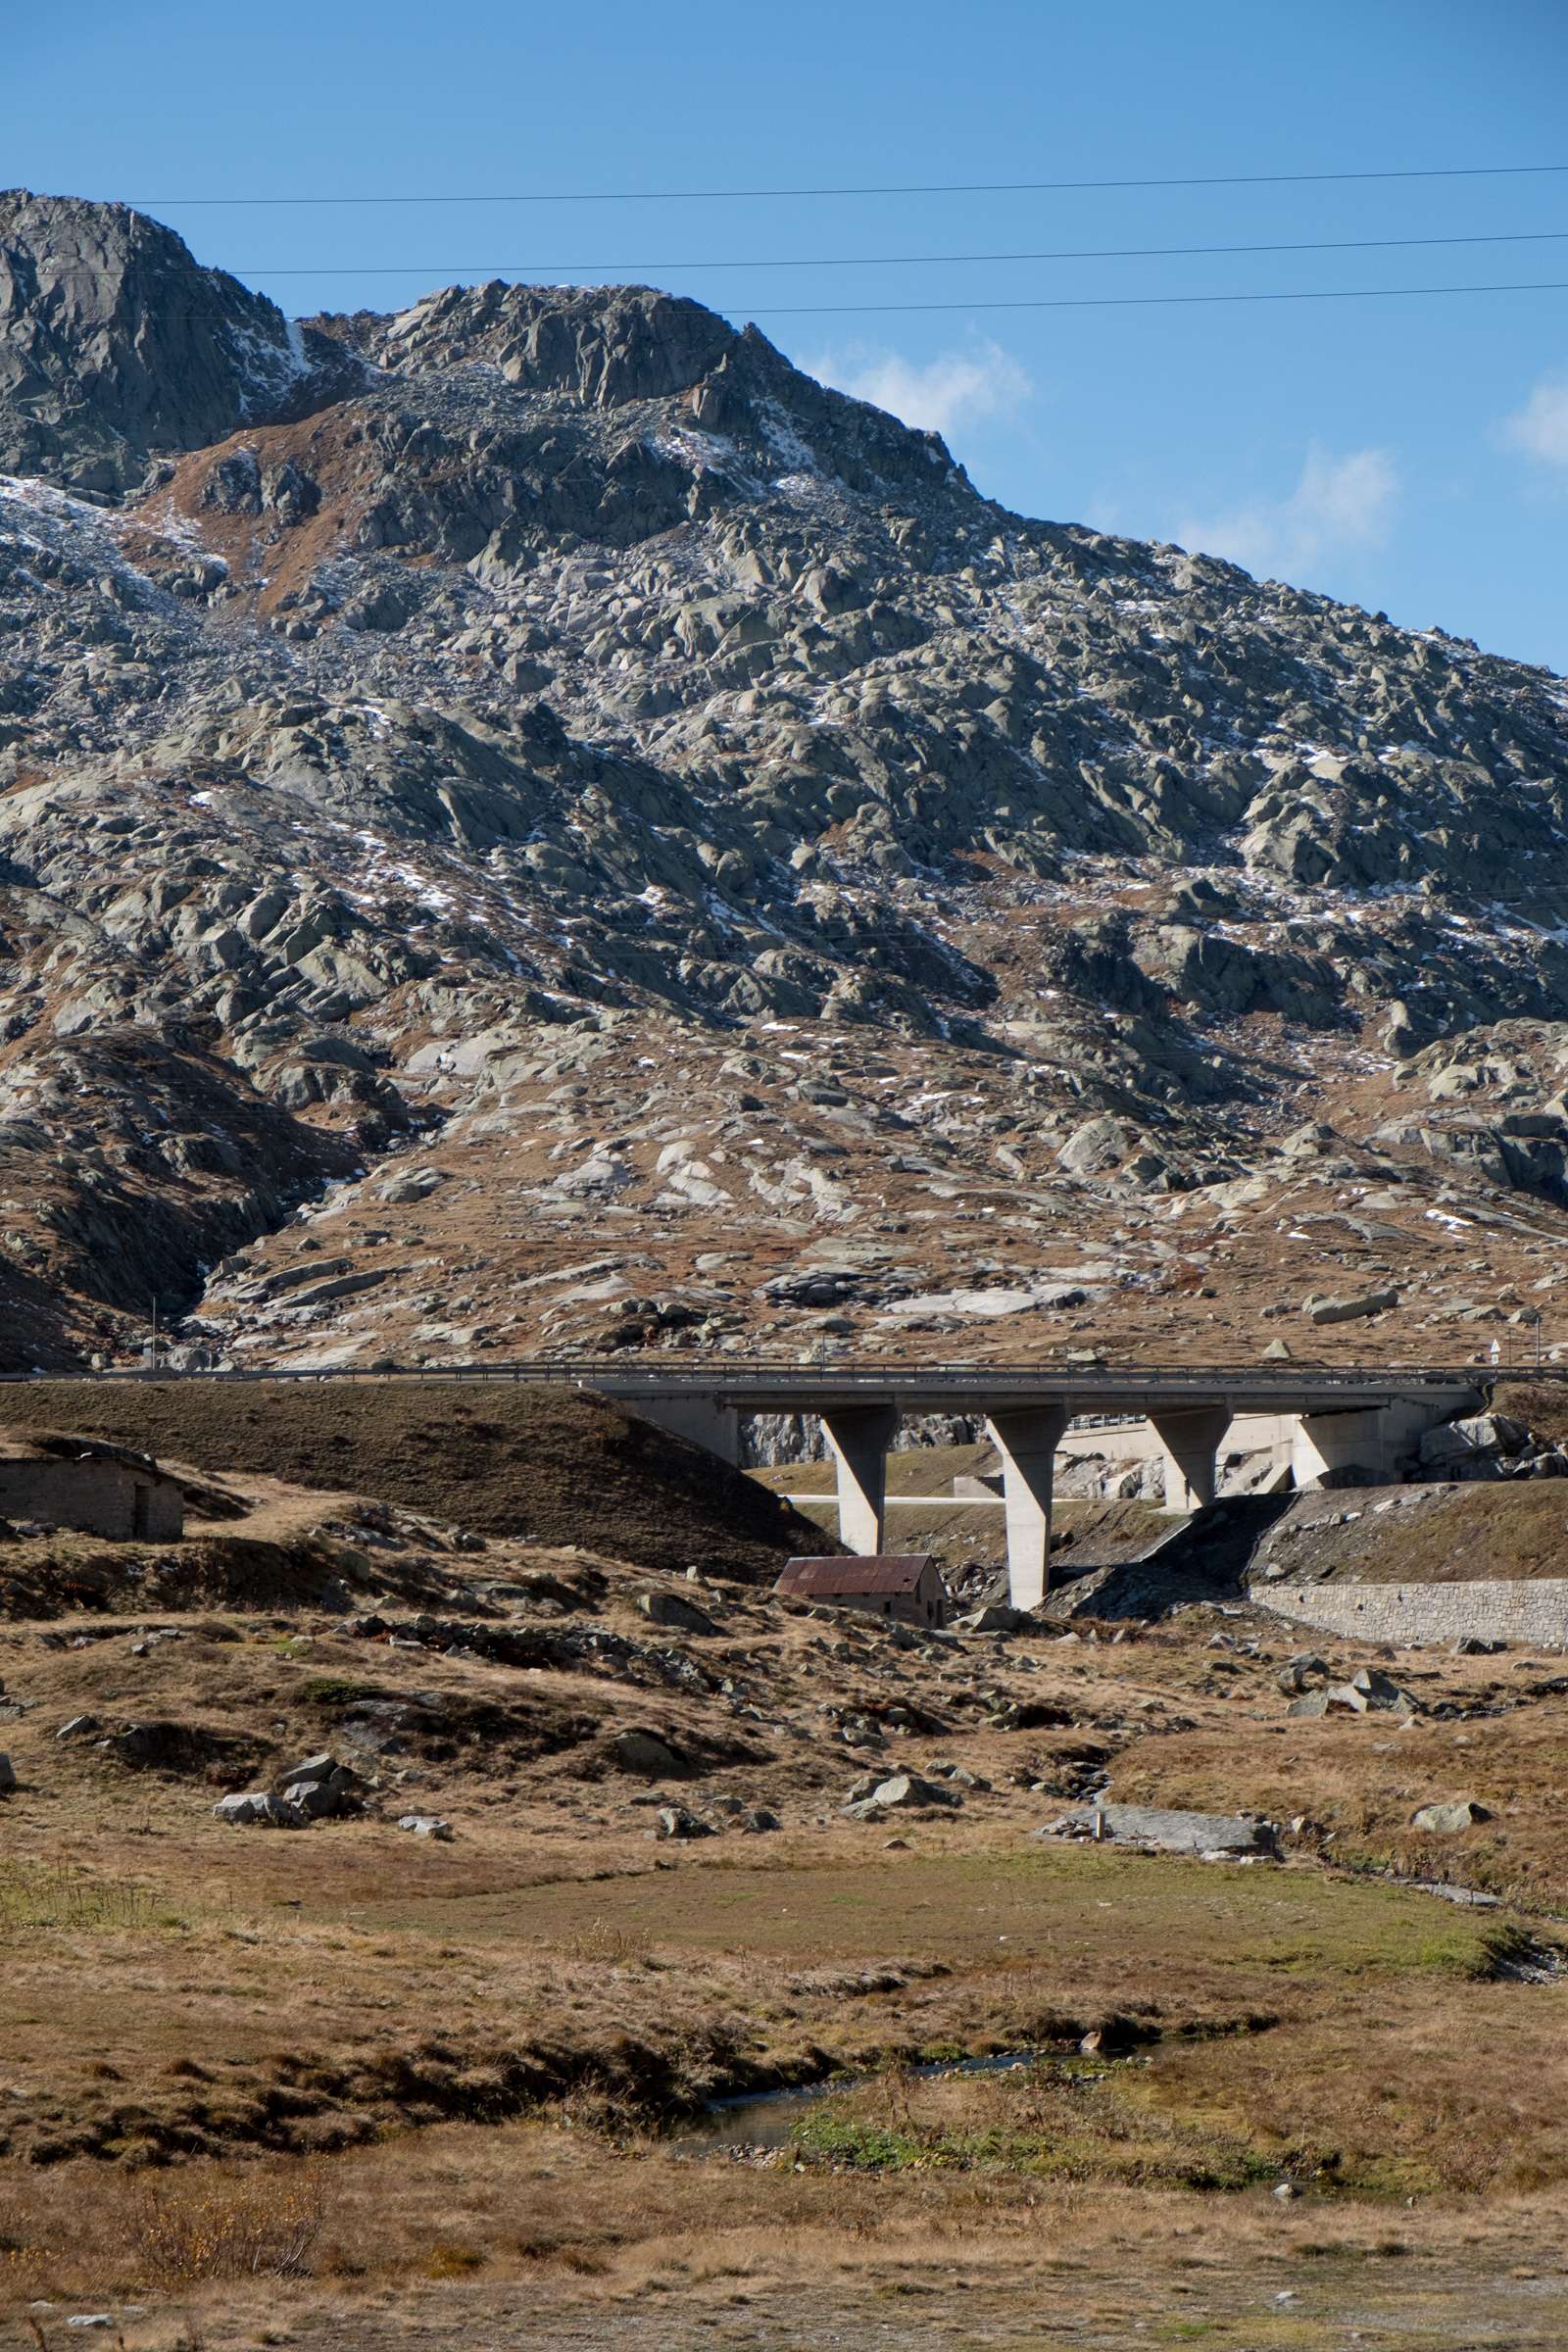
x=602 y=345
x=115 y=342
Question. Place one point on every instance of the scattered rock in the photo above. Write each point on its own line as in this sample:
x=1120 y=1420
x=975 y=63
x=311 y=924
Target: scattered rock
x=262 y=1808
x=1369 y=1693
x=427 y=1825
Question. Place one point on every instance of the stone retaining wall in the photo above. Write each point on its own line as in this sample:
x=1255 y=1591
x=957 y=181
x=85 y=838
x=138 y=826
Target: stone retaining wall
x=1535 y=1612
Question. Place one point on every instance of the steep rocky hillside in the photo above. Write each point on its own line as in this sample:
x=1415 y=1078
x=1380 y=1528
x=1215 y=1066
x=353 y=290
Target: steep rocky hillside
x=531 y=824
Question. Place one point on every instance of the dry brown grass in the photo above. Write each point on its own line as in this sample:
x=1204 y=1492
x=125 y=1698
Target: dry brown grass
x=470 y=2043
x=527 y=2235
x=552 y=1464
x=1510 y=1530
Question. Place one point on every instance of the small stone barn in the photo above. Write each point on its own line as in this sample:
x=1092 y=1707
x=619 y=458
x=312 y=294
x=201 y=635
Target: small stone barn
x=87 y=1482
x=907 y=1587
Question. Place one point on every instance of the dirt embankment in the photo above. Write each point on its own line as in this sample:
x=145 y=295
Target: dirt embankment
x=1512 y=1531
x=1540 y=1404
x=554 y=1466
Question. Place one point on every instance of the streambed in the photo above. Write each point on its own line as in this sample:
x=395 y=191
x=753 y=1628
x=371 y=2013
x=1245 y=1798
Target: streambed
x=767 y=2118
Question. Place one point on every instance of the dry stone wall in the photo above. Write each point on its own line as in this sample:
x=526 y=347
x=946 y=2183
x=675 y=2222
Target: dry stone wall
x=1533 y=1611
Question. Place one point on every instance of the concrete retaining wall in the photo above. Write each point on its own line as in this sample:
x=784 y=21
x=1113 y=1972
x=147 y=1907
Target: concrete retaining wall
x=1531 y=1611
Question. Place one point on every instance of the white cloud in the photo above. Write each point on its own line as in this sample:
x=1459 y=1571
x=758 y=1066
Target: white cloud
x=1339 y=504
x=1540 y=428
x=955 y=388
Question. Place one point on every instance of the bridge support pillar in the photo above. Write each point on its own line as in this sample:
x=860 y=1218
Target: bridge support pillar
x=1027 y=1443
x=1188 y=1441
x=861 y=1436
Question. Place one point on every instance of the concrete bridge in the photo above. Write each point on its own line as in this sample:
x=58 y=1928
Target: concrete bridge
x=1362 y=1418
x=1367 y=1420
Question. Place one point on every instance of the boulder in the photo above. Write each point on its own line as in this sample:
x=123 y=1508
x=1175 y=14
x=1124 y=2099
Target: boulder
x=427 y=1825
x=638 y=1751
x=321 y=1787
x=262 y=1808
x=1347 y=1310
x=673 y=1821
x=1303 y=1670
x=904 y=1792
x=1368 y=1693
x=995 y=1618
x=239 y=1811
x=1479 y=1435
x=1380 y=1690
x=8 y=1774
x=318 y=1800
x=1159 y=1830
x=1448 y=1820
x=77 y=1727
x=1102 y=1142
x=679 y=1616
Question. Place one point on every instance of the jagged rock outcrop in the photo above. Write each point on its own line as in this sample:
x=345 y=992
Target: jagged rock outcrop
x=115 y=343
x=547 y=732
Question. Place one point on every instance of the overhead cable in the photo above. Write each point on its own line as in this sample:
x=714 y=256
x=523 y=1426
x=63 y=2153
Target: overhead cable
x=1003 y=187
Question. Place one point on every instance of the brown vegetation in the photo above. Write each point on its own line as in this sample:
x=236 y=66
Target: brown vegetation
x=353 y=2074
x=554 y=1465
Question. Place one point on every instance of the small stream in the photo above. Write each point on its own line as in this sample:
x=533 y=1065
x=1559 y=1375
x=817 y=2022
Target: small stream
x=766 y=2119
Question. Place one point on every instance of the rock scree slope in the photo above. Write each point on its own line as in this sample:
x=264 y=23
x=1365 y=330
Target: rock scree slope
x=532 y=824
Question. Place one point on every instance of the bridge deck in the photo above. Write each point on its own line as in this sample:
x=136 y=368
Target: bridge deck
x=750 y=1386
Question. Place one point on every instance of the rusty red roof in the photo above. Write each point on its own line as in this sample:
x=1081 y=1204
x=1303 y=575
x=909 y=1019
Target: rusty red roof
x=865 y=1572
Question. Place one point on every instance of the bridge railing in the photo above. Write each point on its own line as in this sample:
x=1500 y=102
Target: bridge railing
x=845 y=1378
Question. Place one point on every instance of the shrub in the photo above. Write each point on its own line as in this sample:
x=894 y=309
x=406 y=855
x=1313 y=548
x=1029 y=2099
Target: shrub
x=265 y=2228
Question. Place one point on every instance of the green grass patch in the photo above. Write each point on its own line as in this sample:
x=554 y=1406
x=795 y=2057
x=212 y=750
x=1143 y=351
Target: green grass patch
x=37 y=1897
x=337 y=1690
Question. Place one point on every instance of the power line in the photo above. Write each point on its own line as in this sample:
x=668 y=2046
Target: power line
x=1102 y=302
x=1118 y=302
x=1003 y=187
x=840 y=261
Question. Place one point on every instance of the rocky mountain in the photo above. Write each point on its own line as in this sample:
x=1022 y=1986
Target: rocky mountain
x=531 y=824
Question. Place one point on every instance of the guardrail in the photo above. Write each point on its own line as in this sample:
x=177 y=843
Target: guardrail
x=732 y=1372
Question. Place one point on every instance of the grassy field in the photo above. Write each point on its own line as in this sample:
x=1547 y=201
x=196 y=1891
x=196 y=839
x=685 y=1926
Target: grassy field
x=347 y=2087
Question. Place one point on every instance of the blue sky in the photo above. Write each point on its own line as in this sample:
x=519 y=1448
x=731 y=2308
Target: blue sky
x=1409 y=454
